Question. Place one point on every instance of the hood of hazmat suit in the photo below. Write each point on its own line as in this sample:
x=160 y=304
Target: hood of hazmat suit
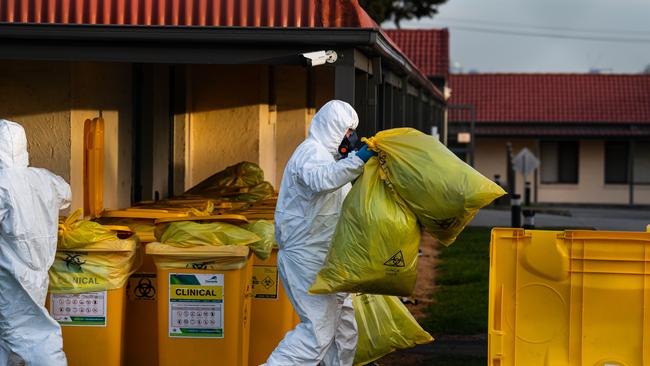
x=312 y=192
x=30 y=200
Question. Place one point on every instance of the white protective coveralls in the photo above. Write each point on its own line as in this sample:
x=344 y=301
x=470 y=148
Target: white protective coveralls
x=30 y=200
x=312 y=192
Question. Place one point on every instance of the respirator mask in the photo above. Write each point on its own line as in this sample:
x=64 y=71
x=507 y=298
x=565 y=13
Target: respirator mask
x=348 y=144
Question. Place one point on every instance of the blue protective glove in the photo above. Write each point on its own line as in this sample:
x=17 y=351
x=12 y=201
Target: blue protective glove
x=365 y=154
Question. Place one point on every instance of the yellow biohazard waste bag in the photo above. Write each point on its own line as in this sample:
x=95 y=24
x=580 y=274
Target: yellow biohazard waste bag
x=240 y=182
x=385 y=325
x=266 y=231
x=256 y=193
x=221 y=258
x=185 y=234
x=375 y=245
x=100 y=266
x=76 y=233
x=443 y=191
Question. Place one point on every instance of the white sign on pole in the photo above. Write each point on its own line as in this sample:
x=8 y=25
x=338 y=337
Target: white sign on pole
x=525 y=162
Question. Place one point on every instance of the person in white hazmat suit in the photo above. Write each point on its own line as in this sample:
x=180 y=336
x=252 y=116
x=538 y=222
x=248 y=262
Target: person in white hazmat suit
x=30 y=200
x=312 y=192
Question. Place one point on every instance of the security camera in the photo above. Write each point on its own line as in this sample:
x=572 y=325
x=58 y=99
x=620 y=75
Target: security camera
x=320 y=57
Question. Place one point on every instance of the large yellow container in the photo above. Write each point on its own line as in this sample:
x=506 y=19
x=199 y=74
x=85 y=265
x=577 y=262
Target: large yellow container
x=141 y=348
x=95 y=339
x=569 y=298
x=141 y=335
x=203 y=311
x=92 y=320
x=272 y=314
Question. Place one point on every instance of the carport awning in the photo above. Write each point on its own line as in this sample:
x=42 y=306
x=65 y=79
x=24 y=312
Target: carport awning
x=194 y=32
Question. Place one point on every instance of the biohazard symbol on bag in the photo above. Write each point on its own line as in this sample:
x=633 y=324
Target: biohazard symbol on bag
x=445 y=223
x=73 y=262
x=397 y=260
x=267 y=282
x=145 y=289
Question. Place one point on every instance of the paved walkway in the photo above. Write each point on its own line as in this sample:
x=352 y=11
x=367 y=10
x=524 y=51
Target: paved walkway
x=613 y=219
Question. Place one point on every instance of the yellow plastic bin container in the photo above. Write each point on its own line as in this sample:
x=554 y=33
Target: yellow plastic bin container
x=272 y=314
x=203 y=304
x=141 y=329
x=87 y=297
x=141 y=346
x=569 y=298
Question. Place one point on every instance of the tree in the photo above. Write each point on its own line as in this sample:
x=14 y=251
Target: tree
x=399 y=10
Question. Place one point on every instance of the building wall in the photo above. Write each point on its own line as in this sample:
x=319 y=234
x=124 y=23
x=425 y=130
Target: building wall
x=323 y=85
x=591 y=188
x=490 y=158
x=53 y=99
x=291 y=91
x=103 y=88
x=229 y=117
x=232 y=117
x=37 y=95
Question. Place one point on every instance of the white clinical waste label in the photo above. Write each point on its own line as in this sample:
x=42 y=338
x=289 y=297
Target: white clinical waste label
x=85 y=309
x=196 y=305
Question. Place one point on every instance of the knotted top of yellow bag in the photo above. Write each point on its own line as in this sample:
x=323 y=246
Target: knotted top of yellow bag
x=207 y=211
x=370 y=141
x=75 y=232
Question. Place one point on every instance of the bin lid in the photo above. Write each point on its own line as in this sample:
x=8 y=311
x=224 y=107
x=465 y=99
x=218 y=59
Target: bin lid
x=229 y=218
x=202 y=251
x=195 y=202
x=260 y=216
x=125 y=245
x=143 y=214
x=123 y=232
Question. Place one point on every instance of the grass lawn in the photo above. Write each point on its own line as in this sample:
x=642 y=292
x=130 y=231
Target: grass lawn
x=460 y=306
x=461 y=301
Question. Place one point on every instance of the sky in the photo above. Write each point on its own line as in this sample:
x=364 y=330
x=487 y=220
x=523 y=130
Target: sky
x=614 y=35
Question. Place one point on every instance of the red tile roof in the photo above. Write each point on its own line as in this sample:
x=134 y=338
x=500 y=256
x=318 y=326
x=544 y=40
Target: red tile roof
x=581 y=98
x=529 y=130
x=229 y=13
x=427 y=48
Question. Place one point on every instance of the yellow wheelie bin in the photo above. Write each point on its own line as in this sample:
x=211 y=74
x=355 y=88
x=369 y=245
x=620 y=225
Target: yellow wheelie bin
x=87 y=297
x=141 y=317
x=203 y=304
x=272 y=314
x=141 y=334
x=573 y=297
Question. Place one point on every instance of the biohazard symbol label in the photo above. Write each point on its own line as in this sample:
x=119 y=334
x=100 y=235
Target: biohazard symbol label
x=267 y=282
x=142 y=287
x=397 y=260
x=197 y=265
x=445 y=223
x=145 y=289
x=73 y=262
